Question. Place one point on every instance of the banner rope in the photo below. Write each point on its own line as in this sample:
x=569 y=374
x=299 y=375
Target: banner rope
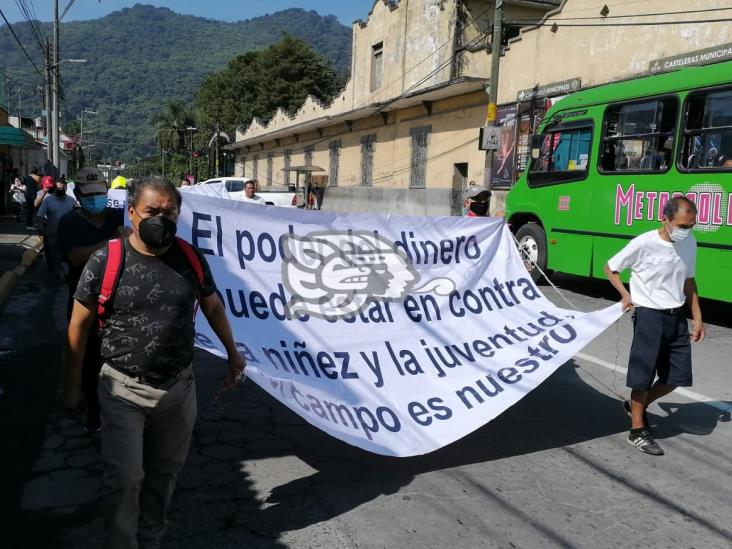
x=530 y=265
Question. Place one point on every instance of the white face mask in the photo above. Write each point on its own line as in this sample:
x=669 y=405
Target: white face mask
x=677 y=234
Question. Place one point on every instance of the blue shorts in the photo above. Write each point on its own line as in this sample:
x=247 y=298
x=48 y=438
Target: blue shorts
x=661 y=347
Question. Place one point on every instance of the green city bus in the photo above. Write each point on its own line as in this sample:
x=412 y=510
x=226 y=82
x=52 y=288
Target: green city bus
x=605 y=160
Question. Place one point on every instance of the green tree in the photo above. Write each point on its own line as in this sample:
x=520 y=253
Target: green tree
x=170 y=126
x=256 y=84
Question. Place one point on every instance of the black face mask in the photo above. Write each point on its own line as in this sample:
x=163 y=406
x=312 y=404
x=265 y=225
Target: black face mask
x=157 y=231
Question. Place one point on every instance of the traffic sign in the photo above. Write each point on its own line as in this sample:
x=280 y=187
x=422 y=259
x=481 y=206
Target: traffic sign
x=489 y=137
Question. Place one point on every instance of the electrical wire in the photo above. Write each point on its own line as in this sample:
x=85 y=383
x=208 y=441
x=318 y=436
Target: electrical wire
x=28 y=13
x=637 y=24
x=22 y=47
x=66 y=9
x=603 y=17
x=405 y=93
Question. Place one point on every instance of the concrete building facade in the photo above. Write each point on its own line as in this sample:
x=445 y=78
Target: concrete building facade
x=402 y=136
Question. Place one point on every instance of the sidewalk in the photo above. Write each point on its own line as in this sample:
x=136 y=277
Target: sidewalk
x=19 y=248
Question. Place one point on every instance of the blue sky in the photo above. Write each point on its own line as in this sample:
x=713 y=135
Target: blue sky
x=226 y=10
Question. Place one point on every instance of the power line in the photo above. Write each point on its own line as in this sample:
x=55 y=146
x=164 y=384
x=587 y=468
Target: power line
x=29 y=16
x=67 y=8
x=406 y=92
x=637 y=24
x=22 y=47
x=603 y=17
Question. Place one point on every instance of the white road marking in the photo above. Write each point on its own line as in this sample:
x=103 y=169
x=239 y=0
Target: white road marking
x=719 y=405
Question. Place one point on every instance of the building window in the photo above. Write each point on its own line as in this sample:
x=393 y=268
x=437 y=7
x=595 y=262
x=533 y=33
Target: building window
x=639 y=136
x=255 y=166
x=420 y=138
x=377 y=65
x=707 y=137
x=270 y=167
x=243 y=166
x=335 y=154
x=288 y=154
x=367 y=159
x=309 y=150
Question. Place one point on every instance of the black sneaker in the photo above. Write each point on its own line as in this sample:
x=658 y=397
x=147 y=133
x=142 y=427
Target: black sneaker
x=646 y=422
x=645 y=443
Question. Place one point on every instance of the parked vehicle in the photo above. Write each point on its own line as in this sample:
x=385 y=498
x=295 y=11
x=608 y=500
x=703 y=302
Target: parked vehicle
x=607 y=159
x=273 y=196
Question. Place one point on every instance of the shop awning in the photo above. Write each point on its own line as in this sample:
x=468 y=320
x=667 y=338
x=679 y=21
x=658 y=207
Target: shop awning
x=15 y=137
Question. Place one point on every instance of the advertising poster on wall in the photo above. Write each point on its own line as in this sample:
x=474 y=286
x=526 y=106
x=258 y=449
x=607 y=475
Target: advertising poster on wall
x=530 y=116
x=504 y=161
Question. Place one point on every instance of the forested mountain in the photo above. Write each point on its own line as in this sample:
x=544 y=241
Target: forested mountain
x=141 y=57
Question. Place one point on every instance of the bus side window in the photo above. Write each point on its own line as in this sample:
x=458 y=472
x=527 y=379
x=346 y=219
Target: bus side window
x=707 y=136
x=638 y=136
x=563 y=156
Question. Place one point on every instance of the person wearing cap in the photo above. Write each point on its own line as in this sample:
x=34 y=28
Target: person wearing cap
x=119 y=182
x=47 y=186
x=477 y=201
x=82 y=232
x=53 y=207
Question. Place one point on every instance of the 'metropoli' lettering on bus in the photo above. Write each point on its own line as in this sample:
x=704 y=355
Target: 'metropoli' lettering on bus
x=715 y=208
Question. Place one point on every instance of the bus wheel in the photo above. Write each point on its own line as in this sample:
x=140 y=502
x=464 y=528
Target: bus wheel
x=532 y=245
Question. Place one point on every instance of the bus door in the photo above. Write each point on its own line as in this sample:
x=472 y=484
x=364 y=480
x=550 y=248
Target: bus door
x=637 y=173
x=562 y=169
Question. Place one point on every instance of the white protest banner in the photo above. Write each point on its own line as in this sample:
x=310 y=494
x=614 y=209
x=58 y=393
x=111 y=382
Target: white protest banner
x=395 y=334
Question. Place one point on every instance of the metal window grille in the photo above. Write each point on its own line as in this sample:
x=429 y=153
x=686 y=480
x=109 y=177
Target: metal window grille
x=288 y=154
x=255 y=166
x=418 y=165
x=335 y=153
x=270 y=167
x=377 y=65
x=243 y=166
x=309 y=150
x=367 y=159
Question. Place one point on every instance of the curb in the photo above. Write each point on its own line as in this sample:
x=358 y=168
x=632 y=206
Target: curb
x=10 y=278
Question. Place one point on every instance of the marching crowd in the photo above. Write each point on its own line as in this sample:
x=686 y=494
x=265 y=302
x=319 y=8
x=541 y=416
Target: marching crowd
x=132 y=296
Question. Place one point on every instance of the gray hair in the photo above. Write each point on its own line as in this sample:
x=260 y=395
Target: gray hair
x=672 y=206
x=156 y=183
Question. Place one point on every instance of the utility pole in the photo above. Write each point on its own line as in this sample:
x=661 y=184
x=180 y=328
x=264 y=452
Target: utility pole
x=190 y=130
x=493 y=93
x=217 y=151
x=49 y=132
x=56 y=63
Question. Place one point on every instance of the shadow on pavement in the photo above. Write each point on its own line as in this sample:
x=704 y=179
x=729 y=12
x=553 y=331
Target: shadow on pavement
x=336 y=478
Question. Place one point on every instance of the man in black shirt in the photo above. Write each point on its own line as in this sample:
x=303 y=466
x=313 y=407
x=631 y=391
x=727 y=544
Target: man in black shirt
x=146 y=386
x=82 y=232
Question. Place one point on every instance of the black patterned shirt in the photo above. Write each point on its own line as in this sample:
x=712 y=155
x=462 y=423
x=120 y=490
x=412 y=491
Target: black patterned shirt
x=149 y=329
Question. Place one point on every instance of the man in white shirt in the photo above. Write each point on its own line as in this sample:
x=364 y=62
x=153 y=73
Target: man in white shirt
x=662 y=264
x=250 y=188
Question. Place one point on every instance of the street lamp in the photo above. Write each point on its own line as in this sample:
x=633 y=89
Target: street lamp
x=53 y=67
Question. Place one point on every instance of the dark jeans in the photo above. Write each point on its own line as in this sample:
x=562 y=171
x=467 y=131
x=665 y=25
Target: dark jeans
x=29 y=212
x=90 y=375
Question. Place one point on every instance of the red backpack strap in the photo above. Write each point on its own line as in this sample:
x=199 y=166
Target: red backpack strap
x=112 y=273
x=195 y=262
x=193 y=259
